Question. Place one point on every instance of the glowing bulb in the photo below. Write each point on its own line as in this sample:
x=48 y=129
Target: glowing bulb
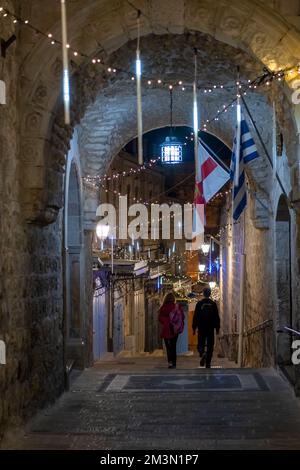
x=94 y=61
x=212 y=284
x=102 y=231
x=159 y=81
x=202 y=268
x=205 y=247
x=149 y=82
x=26 y=21
x=52 y=42
x=49 y=35
x=75 y=53
x=180 y=82
x=170 y=87
x=138 y=67
x=68 y=46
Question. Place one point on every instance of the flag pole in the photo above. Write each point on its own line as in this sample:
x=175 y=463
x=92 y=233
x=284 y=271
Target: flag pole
x=242 y=295
x=217 y=158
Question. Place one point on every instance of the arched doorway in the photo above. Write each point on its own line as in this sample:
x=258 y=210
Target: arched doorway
x=283 y=281
x=73 y=260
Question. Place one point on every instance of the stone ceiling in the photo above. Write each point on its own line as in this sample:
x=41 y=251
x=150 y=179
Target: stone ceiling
x=227 y=32
x=109 y=122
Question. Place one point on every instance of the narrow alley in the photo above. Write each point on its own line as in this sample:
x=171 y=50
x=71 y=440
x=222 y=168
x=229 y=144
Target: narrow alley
x=150 y=225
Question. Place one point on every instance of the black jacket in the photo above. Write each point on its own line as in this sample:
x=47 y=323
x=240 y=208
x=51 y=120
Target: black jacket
x=206 y=316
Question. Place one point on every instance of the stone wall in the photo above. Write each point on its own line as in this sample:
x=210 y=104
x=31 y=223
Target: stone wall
x=31 y=313
x=264 y=311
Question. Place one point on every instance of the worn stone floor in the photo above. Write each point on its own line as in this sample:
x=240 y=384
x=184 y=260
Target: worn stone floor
x=137 y=403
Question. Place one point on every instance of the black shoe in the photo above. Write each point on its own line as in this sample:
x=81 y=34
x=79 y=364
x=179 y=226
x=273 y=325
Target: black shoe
x=173 y=366
x=202 y=360
x=208 y=366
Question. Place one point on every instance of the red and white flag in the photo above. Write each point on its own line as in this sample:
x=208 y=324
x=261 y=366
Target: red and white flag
x=210 y=176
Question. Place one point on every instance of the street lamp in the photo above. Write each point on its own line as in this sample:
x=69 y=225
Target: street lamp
x=171 y=149
x=212 y=284
x=205 y=247
x=102 y=232
x=202 y=268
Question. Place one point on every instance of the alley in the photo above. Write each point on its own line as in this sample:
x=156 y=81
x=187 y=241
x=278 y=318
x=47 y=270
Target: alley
x=150 y=214
x=136 y=403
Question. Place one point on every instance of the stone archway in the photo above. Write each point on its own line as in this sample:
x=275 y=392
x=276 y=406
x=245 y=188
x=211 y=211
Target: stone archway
x=108 y=27
x=283 y=281
x=73 y=259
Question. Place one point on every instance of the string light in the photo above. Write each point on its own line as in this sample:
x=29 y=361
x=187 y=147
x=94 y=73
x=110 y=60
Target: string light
x=99 y=179
x=273 y=75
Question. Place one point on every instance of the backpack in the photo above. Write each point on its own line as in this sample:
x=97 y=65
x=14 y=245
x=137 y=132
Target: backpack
x=176 y=321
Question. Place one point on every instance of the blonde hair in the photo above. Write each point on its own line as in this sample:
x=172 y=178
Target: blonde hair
x=169 y=297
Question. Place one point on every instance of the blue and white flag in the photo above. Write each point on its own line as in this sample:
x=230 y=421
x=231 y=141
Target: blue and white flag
x=247 y=152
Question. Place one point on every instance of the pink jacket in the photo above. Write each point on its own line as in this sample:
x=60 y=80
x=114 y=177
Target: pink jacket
x=164 y=319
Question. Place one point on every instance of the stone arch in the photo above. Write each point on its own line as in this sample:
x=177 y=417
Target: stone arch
x=74 y=257
x=242 y=25
x=283 y=280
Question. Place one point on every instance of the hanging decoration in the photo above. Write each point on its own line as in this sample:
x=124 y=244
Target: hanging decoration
x=171 y=148
x=262 y=80
x=238 y=135
x=66 y=79
x=139 y=94
x=119 y=174
x=195 y=117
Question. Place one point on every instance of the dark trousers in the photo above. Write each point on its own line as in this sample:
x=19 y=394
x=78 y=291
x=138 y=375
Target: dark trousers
x=171 y=349
x=206 y=338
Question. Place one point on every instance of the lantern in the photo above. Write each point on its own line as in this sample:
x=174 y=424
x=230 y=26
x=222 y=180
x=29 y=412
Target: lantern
x=171 y=149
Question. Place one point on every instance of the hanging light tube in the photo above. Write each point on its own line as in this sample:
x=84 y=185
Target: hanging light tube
x=139 y=95
x=66 y=79
x=195 y=117
x=238 y=137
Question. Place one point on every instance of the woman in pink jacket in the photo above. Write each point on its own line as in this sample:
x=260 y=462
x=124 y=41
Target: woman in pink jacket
x=170 y=337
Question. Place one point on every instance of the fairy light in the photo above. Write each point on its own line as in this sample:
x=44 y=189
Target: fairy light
x=280 y=75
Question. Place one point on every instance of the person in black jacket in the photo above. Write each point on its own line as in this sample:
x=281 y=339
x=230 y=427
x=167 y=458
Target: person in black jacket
x=206 y=319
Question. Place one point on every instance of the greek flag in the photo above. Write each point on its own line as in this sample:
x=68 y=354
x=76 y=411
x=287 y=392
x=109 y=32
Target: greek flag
x=247 y=152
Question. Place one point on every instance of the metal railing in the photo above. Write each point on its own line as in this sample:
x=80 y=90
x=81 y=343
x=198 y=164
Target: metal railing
x=290 y=330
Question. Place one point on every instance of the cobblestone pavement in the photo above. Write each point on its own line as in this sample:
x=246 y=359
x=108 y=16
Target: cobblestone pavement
x=137 y=403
